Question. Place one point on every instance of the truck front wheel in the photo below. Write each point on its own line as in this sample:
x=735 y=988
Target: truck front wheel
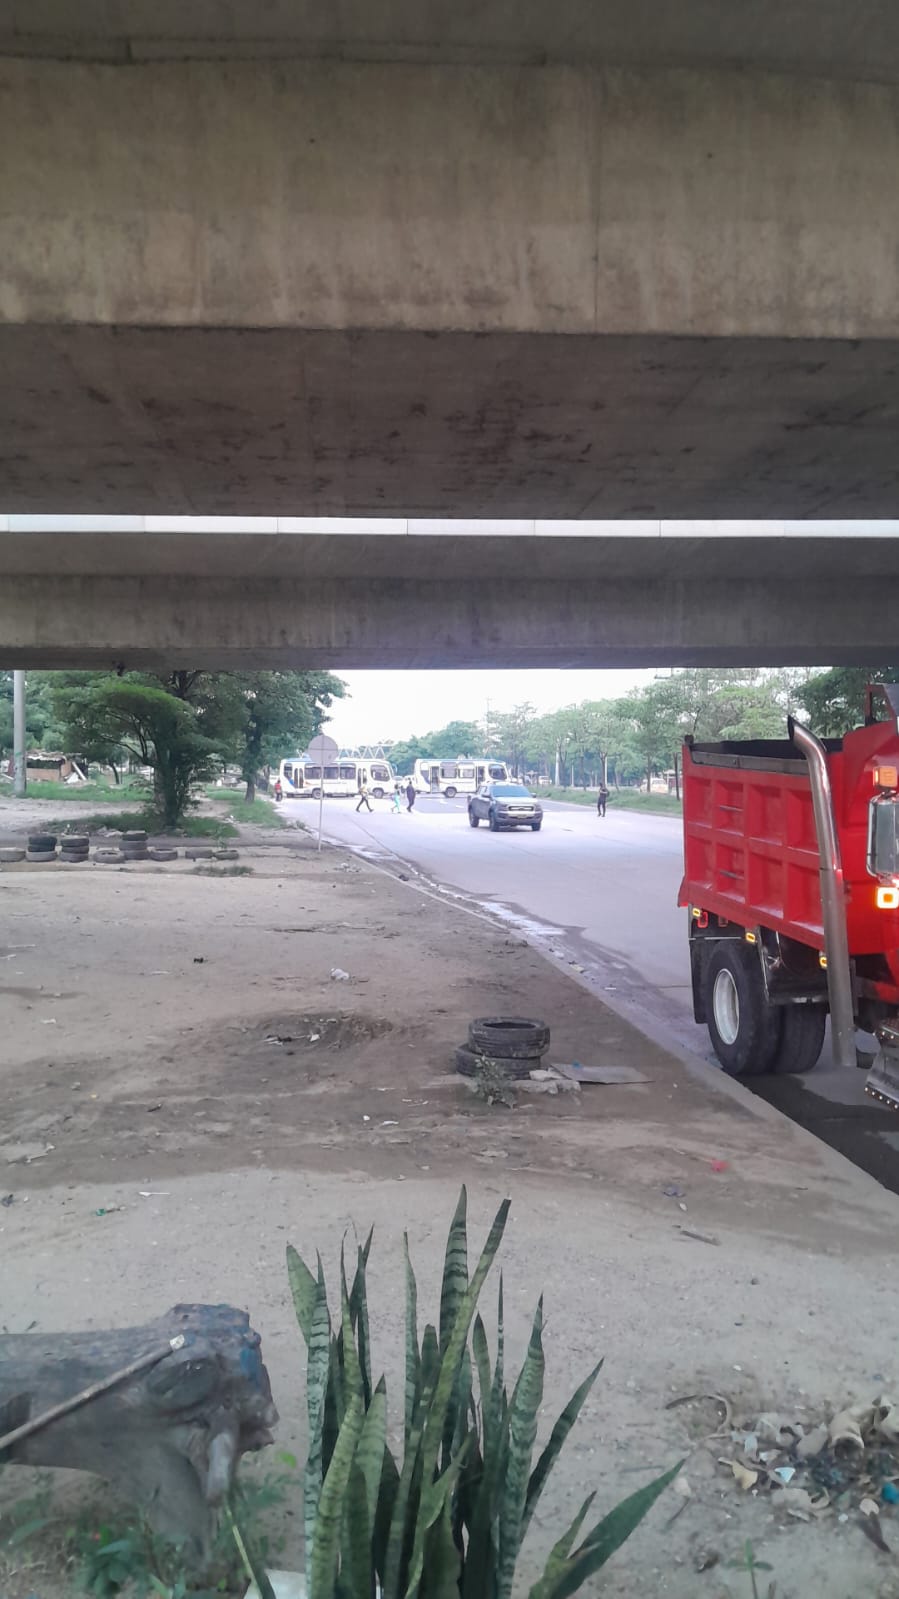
x=745 y=1030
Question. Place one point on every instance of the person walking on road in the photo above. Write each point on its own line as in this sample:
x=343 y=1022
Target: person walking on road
x=410 y=795
x=602 y=800
x=363 y=796
x=395 y=796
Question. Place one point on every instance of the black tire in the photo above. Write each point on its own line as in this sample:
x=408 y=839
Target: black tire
x=492 y=822
x=40 y=857
x=734 y=999
x=801 y=1039
x=514 y=1037
x=226 y=854
x=536 y=826
x=136 y=836
x=316 y=793
x=378 y=793
x=163 y=854
x=135 y=852
x=473 y=821
x=469 y=1062
x=450 y=792
x=199 y=852
x=41 y=841
x=10 y=855
x=75 y=841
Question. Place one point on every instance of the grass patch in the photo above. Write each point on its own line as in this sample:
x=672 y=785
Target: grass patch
x=626 y=799
x=259 y=812
x=95 y=793
x=128 y=821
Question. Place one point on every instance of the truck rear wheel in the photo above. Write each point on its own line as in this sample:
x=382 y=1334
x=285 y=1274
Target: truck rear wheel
x=745 y=1030
x=801 y=1038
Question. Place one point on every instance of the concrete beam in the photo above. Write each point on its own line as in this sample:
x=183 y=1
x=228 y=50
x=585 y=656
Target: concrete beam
x=336 y=287
x=440 y=602
x=825 y=37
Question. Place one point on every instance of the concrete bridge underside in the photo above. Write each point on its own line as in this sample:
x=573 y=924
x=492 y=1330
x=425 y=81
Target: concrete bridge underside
x=208 y=597
x=541 y=265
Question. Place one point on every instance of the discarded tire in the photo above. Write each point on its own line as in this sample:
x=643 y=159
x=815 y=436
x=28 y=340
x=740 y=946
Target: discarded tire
x=108 y=857
x=75 y=841
x=226 y=854
x=40 y=857
x=162 y=854
x=73 y=857
x=136 y=836
x=199 y=854
x=514 y=1037
x=9 y=856
x=134 y=852
x=41 y=841
x=469 y=1063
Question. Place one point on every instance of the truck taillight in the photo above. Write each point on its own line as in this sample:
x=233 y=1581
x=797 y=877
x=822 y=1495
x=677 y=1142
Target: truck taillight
x=887 y=897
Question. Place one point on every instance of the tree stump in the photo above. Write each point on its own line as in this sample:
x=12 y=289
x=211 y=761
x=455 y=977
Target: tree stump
x=171 y=1437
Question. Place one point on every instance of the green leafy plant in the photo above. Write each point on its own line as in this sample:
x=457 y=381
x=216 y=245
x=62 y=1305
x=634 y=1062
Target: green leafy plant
x=448 y=1519
x=746 y=1561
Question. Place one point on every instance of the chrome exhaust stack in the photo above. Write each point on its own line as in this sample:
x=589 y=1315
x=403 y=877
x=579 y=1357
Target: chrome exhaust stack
x=833 y=899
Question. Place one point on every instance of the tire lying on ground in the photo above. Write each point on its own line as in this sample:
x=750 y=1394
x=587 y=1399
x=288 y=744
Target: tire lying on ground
x=135 y=836
x=9 y=855
x=513 y=1037
x=41 y=841
x=226 y=854
x=73 y=857
x=40 y=857
x=108 y=857
x=199 y=853
x=162 y=854
x=75 y=841
x=469 y=1063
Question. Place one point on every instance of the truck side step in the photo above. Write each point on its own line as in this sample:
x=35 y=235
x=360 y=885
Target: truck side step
x=882 y=1081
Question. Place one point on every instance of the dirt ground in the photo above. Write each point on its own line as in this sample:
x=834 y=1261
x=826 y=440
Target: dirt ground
x=177 y=1054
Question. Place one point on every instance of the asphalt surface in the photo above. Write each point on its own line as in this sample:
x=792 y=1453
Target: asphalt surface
x=599 y=896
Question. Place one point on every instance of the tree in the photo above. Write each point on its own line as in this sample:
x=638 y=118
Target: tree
x=445 y=743
x=510 y=734
x=158 y=729
x=835 y=700
x=653 y=725
x=280 y=713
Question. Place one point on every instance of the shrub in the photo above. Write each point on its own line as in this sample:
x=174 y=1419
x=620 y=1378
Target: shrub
x=448 y=1520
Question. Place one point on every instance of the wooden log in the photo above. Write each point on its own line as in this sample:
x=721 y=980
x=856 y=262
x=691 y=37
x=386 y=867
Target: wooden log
x=169 y=1437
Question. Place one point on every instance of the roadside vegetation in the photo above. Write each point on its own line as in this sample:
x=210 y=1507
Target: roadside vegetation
x=213 y=827
x=257 y=812
x=638 y=736
x=625 y=799
x=185 y=726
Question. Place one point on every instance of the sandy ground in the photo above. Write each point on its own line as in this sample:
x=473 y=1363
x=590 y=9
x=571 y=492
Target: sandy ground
x=140 y=1013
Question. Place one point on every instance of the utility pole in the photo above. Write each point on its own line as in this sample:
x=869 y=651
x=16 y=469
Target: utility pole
x=18 y=733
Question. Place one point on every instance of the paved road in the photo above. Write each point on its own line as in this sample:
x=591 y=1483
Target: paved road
x=601 y=897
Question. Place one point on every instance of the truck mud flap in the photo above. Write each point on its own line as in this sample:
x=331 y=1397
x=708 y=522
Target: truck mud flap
x=882 y=1081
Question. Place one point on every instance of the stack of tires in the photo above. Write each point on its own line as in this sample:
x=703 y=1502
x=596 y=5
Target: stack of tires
x=41 y=848
x=513 y=1045
x=74 y=848
x=134 y=845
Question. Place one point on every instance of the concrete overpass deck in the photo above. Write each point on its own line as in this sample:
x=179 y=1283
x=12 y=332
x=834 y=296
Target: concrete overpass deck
x=228 y=592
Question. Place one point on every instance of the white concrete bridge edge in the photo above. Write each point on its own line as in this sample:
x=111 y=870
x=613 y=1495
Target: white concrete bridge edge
x=399 y=527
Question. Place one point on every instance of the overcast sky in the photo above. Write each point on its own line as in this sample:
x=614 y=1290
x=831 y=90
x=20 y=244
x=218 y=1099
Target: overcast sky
x=394 y=705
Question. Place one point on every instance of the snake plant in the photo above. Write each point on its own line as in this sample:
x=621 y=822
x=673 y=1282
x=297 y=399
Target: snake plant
x=446 y=1520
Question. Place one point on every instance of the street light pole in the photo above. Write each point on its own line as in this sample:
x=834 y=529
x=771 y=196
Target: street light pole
x=18 y=733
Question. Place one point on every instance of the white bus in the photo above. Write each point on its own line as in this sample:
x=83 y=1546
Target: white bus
x=457 y=777
x=301 y=778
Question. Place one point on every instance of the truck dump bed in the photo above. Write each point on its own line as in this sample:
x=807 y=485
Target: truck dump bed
x=750 y=849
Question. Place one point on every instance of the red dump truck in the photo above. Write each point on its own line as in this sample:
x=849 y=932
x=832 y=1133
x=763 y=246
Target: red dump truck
x=791 y=877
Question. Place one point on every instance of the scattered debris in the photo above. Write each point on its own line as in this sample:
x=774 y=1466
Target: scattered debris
x=719 y=1165
x=7 y=1200
x=199 y=960
x=812 y=1468
x=338 y=975
x=673 y=1192
x=705 y=1559
x=702 y=1238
